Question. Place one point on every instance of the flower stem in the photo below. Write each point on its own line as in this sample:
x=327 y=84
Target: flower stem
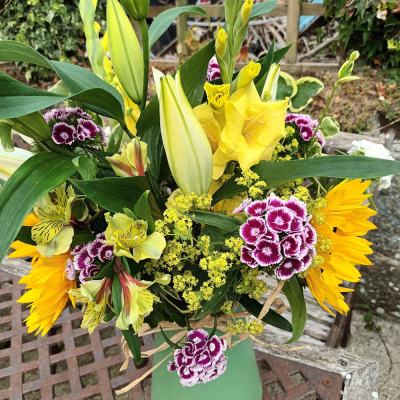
x=146 y=60
x=326 y=107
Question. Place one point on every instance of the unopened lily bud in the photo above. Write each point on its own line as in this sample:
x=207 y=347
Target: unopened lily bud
x=132 y=161
x=137 y=9
x=223 y=54
x=185 y=141
x=271 y=83
x=125 y=51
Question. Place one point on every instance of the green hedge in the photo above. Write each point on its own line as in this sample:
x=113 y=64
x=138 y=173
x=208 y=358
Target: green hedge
x=361 y=29
x=52 y=27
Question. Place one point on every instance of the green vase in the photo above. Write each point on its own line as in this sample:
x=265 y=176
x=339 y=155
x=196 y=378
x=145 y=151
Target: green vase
x=240 y=381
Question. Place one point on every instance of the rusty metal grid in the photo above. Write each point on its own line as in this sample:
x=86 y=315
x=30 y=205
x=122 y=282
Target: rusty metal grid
x=67 y=363
x=70 y=364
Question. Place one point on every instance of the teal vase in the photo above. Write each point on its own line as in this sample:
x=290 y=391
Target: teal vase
x=240 y=381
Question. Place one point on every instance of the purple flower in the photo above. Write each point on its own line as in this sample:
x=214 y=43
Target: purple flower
x=320 y=138
x=303 y=120
x=101 y=236
x=279 y=219
x=82 y=260
x=289 y=267
x=89 y=128
x=70 y=272
x=274 y=201
x=88 y=272
x=257 y=208
x=306 y=132
x=94 y=247
x=291 y=245
x=310 y=235
x=197 y=335
x=307 y=260
x=214 y=346
x=247 y=256
x=242 y=207
x=296 y=225
x=213 y=71
x=106 y=252
x=63 y=133
x=297 y=206
x=179 y=358
x=77 y=249
x=80 y=134
x=291 y=117
x=267 y=253
x=171 y=367
x=253 y=229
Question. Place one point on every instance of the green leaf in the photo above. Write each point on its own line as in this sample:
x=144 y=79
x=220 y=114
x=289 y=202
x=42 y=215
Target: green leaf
x=163 y=21
x=279 y=54
x=369 y=316
x=6 y=136
x=287 y=86
x=27 y=185
x=107 y=271
x=25 y=235
x=215 y=326
x=18 y=99
x=167 y=340
x=263 y=8
x=177 y=316
x=82 y=237
x=329 y=127
x=76 y=78
x=131 y=338
x=306 y=88
x=218 y=220
x=272 y=318
x=115 y=194
x=142 y=211
x=276 y=174
x=294 y=294
x=156 y=316
x=130 y=213
x=109 y=315
x=86 y=167
x=115 y=139
x=218 y=294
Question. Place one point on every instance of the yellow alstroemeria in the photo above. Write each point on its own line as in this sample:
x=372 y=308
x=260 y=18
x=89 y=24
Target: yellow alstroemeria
x=186 y=145
x=95 y=295
x=132 y=161
x=130 y=239
x=137 y=300
x=252 y=127
x=11 y=161
x=53 y=233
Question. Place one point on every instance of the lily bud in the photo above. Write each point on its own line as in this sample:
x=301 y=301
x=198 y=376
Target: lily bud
x=132 y=161
x=271 y=83
x=11 y=161
x=125 y=51
x=137 y=9
x=186 y=145
x=223 y=54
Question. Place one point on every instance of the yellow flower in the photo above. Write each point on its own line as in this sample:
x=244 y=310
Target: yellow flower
x=48 y=287
x=253 y=128
x=94 y=295
x=339 y=224
x=53 y=233
x=130 y=238
x=132 y=114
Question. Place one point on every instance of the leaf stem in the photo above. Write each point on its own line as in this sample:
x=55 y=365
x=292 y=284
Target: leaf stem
x=326 y=107
x=146 y=56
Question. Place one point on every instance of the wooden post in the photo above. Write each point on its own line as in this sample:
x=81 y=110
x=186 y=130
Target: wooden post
x=181 y=27
x=292 y=29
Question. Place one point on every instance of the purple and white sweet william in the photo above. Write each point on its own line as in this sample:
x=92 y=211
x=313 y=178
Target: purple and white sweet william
x=278 y=234
x=201 y=360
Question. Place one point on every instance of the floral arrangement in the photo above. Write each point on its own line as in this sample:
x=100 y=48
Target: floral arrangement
x=175 y=216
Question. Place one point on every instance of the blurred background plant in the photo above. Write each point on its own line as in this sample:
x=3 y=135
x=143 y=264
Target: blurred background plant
x=52 y=27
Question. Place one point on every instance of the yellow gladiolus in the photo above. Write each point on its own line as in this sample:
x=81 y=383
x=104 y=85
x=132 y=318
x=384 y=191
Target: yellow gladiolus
x=186 y=145
x=126 y=54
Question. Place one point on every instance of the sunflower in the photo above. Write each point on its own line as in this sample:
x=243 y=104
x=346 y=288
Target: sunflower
x=340 y=219
x=48 y=287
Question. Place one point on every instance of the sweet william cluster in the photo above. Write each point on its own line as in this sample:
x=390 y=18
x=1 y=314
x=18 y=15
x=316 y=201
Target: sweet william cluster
x=278 y=233
x=201 y=360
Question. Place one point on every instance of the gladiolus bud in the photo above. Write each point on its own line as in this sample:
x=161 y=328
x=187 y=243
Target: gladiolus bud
x=132 y=161
x=246 y=75
x=223 y=54
x=137 y=9
x=246 y=10
x=241 y=26
x=186 y=145
x=271 y=83
x=126 y=54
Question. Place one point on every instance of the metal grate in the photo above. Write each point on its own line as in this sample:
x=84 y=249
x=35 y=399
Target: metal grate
x=70 y=364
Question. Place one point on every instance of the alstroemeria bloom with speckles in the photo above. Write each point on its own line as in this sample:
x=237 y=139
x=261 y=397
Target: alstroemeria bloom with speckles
x=130 y=239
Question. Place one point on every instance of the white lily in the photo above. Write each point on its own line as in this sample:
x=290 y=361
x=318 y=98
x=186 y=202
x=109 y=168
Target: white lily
x=11 y=161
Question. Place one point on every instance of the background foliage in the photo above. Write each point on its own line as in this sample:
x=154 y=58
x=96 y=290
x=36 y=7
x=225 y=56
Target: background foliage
x=367 y=26
x=52 y=27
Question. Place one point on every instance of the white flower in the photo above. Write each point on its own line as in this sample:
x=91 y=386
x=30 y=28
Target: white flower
x=375 y=150
x=11 y=161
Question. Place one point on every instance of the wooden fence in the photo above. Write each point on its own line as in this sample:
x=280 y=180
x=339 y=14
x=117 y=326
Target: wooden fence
x=293 y=9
